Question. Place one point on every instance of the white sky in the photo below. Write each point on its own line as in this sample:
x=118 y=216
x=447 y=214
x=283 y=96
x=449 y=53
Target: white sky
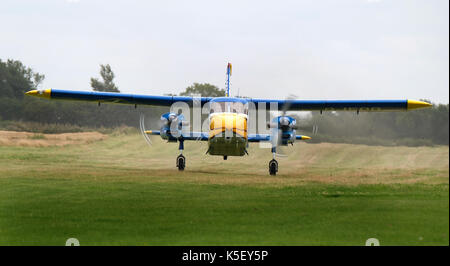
x=346 y=49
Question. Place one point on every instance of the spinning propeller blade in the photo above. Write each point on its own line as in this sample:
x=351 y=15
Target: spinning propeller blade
x=277 y=133
x=143 y=131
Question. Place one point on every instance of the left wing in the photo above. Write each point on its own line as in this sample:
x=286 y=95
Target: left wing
x=341 y=105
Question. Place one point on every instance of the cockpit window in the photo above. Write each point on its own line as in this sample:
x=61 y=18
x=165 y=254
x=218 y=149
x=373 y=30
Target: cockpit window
x=217 y=107
x=228 y=107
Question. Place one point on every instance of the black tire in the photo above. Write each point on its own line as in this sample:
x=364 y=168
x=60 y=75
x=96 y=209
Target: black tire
x=273 y=167
x=181 y=162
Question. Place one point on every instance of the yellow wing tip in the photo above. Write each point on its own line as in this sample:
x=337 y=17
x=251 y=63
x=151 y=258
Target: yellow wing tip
x=32 y=92
x=305 y=137
x=40 y=93
x=413 y=104
x=148 y=132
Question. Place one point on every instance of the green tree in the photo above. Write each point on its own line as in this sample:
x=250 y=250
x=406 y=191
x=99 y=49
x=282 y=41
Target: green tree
x=204 y=89
x=15 y=78
x=107 y=85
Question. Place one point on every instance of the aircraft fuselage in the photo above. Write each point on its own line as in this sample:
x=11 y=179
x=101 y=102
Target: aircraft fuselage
x=227 y=134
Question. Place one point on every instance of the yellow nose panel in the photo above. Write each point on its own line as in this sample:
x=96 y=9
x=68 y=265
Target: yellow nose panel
x=228 y=122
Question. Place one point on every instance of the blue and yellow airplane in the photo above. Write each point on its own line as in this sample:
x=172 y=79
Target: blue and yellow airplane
x=228 y=132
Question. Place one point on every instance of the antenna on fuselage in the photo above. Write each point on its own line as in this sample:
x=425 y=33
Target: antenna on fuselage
x=228 y=79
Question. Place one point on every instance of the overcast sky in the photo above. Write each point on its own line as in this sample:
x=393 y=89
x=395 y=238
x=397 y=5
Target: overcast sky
x=346 y=49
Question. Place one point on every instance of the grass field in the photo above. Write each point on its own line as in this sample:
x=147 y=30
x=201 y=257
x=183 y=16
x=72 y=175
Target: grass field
x=115 y=190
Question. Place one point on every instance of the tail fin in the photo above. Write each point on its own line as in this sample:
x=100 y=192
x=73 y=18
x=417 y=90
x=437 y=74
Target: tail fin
x=229 y=70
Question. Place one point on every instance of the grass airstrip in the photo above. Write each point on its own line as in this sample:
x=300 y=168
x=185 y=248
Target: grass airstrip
x=115 y=190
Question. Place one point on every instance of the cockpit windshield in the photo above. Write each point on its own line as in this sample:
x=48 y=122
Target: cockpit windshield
x=236 y=107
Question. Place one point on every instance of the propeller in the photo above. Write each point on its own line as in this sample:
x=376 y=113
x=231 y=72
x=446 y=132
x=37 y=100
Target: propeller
x=142 y=129
x=169 y=125
x=283 y=124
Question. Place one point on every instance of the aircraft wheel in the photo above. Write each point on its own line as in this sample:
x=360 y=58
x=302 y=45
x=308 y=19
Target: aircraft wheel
x=273 y=167
x=181 y=162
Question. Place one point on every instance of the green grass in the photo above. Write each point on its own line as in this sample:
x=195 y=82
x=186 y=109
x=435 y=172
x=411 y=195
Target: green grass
x=120 y=192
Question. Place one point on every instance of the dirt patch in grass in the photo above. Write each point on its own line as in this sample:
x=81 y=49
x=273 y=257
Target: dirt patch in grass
x=15 y=138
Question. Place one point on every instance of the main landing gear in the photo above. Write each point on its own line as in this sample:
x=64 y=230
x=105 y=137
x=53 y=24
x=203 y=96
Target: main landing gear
x=273 y=167
x=273 y=164
x=181 y=160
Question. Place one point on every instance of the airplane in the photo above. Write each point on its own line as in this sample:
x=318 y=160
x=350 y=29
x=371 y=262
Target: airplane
x=228 y=116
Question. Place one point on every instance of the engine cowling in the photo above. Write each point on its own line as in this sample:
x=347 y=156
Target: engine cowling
x=172 y=125
x=283 y=129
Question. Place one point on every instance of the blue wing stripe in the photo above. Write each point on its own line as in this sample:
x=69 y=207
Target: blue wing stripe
x=122 y=98
x=301 y=105
x=258 y=137
x=196 y=136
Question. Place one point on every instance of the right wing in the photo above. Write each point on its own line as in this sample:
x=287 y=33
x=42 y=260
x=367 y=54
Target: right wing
x=113 y=97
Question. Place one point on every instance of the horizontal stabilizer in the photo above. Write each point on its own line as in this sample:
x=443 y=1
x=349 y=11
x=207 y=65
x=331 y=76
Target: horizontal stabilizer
x=185 y=136
x=302 y=137
x=152 y=132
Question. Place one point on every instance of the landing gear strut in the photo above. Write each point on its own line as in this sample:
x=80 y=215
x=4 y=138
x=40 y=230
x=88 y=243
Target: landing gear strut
x=273 y=164
x=181 y=160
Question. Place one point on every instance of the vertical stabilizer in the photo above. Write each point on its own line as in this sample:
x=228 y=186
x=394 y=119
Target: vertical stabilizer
x=228 y=79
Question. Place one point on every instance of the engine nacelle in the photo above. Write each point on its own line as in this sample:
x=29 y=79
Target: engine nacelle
x=283 y=128
x=172 y=125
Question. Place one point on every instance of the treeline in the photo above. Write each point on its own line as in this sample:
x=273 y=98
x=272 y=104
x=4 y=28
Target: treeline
x=421 y=127
x=80 y=114
x=16 y=79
